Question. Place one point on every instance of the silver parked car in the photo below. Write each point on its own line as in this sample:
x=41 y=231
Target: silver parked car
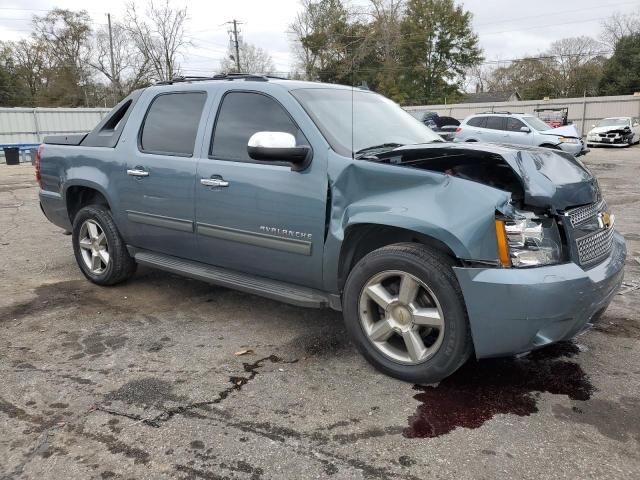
x=519 y=129
x=615 y=131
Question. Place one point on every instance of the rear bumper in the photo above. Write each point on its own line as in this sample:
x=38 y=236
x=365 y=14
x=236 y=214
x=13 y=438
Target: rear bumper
x=516 y=310
x=55 y=209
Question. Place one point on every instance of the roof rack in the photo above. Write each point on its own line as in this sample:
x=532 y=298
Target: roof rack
x=221 y=76
x=503 y=112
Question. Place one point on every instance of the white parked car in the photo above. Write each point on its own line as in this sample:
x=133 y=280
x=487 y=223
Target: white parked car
x=614 y=131
x=519 y=129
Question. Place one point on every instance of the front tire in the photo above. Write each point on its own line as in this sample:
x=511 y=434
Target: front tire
x=98 y=247
x=404 y=310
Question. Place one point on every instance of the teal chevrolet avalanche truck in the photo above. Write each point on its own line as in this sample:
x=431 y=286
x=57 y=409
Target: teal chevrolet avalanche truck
x=328 y=196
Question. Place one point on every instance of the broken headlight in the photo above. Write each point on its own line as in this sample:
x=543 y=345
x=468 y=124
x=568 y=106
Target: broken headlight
x=532 y=241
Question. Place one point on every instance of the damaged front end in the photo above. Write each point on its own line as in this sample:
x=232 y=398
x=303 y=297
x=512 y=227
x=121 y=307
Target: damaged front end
x=615 y=135
x=561 y=259
x=543 y=186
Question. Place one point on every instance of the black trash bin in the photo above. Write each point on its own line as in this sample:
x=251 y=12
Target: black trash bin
x=12 y=155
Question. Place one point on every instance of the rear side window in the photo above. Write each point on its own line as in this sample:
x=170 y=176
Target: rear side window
x=477 y=122
x=171 y=124
x=496 y=123
x=241 y=115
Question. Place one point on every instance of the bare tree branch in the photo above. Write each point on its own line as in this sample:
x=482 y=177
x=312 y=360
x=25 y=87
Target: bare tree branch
x=159 y=36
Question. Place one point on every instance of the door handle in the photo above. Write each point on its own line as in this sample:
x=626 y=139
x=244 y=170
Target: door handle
x=214 y=182
x=137 y=173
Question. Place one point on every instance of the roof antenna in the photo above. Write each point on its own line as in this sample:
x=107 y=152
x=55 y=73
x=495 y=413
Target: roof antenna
x=353 y=87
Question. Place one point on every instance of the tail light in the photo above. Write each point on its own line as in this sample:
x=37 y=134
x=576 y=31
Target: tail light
x=37 y=164
x=458 y=129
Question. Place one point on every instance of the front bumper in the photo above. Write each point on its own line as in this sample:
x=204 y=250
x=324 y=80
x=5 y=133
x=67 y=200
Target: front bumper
x=516 y=310
x=575 y=149
x=618 y=141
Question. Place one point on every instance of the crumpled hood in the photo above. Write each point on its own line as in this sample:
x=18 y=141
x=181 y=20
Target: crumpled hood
x=550 y=179
x=555 y=180
x=606 y=129
x=566 y=131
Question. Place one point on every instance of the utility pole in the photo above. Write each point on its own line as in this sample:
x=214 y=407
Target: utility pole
x=113 y=69
x=235 y=32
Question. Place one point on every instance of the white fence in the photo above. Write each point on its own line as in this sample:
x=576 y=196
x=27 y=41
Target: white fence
x=583 y=112
x=31 y=125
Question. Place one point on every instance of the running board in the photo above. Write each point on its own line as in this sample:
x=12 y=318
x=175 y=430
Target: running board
x=265 y=287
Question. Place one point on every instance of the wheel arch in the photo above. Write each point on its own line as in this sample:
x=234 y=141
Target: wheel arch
x=363 y=238
x=80 y=194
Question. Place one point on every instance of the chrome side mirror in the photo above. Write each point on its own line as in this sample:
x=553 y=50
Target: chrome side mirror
x=278 y=147
x=525 y=129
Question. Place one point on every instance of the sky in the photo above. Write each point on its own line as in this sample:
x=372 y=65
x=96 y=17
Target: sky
x=507 y=29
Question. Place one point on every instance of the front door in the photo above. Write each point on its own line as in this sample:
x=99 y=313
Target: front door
x=513 y=132
x=157 y=189
x=261 y=218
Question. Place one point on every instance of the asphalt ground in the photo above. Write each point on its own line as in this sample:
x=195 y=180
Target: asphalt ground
x=142 y=380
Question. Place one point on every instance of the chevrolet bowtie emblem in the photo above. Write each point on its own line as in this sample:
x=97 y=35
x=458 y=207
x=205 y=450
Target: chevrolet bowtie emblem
x=605 y=220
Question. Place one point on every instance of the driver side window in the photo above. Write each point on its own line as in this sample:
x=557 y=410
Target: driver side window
x=240 y=116
x=514 y=125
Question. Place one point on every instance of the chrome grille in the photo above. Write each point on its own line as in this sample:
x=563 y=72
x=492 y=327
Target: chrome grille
x=582 y=214
x=594 y=246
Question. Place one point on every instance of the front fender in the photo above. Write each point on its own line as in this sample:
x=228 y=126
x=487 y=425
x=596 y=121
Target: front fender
x=454 y=211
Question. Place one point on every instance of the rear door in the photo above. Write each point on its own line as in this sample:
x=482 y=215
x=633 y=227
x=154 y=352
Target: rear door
x=475 y=128
x=495 y=129
x=157 y=186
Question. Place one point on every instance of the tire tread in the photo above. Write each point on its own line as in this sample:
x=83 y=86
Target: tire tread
x=122 y=265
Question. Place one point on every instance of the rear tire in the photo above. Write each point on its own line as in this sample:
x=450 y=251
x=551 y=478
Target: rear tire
x=98 y=247
x=422 y=340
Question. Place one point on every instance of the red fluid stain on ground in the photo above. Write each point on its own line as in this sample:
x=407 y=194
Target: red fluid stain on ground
x=480 y=390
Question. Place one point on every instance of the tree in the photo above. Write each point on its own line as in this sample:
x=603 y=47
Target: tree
x=438 y=47
x=528 y=76
x=252 y=59
x=619 y=25
x=159 y=36
x=622 y=71
x=65 y=37
x=131 y=69
x=577 y=63
x=30 y=68
x=323 y=40
x=9 y=89
x=385 y=43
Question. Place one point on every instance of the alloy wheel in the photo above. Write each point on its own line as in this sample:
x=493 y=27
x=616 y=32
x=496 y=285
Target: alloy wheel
x=94 y=247
x=401 y=317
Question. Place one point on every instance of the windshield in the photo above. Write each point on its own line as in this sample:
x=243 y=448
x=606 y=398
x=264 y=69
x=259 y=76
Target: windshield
x=376 y=120
x=613 y=122
x=537 y=124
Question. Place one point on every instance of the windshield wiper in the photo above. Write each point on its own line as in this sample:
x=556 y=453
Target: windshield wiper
x=374 y=148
